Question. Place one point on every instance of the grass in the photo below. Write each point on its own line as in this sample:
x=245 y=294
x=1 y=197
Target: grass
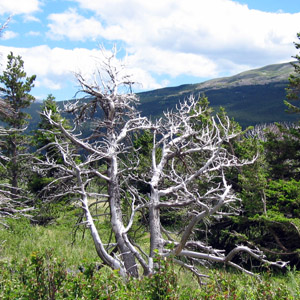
x=23 y=239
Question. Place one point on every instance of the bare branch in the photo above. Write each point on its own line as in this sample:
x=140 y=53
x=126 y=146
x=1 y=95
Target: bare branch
x=187 y=173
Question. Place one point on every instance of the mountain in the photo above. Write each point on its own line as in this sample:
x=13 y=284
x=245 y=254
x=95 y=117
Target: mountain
x=250 y=97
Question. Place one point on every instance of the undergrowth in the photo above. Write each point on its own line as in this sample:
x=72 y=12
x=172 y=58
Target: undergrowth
x=43 y=276
x=40 y=262
x=22 y=238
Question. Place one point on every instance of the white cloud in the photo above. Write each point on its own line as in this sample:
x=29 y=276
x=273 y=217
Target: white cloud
x=168 y=38
x=51 y=84
x=43 y=60
x=70 y=24
x=34 y=33
x=55 y=68
x=174 y=63
x=48 y=64
x=143 y=79
x=7 y=35
x=19 y=6
x=30 y=18
x=192 y=33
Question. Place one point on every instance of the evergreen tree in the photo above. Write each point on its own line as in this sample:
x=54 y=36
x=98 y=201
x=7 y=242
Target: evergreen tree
x=282 y=152
x=270 y=190
x=15 y=93
x=41 y=178
x=46 y=131
x=44 y=136
x=293 y=89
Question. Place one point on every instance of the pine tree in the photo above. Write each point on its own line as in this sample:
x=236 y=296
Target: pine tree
x=293 y=90
x=43 y=138
x=46 y=132
x=15 y=93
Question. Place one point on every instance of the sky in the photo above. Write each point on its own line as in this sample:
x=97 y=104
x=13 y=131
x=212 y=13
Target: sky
x=162 y=42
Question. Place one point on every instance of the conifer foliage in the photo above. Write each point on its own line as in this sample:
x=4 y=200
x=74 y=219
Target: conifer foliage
x=15 y=89
x=293 y=90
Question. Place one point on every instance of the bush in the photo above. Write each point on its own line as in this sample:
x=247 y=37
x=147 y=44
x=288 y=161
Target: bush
x=43 y=276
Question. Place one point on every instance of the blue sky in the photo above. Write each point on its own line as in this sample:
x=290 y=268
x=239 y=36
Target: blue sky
x=163 y=42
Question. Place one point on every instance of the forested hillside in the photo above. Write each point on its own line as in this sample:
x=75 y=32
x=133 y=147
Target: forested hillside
x=252 y=97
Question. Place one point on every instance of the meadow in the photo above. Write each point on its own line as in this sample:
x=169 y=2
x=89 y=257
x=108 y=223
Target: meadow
x=54 y=262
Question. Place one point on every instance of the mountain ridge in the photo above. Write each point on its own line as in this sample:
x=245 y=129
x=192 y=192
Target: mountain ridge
x=258 y=76
x=251 y=97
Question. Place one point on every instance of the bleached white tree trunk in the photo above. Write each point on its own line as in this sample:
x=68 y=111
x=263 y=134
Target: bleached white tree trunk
x=107 y=142
x=190 y=146
x=180 y=142
x=189 y=149
x=14 y=203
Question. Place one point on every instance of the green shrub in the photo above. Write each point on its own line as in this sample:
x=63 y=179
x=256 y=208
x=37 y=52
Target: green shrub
x=42 y=276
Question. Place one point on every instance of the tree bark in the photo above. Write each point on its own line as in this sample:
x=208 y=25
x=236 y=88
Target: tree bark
x=155 y=228
x=14 y=180
x=116 y=218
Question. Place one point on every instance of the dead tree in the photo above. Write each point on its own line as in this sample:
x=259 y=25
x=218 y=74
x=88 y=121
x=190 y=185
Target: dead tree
x=189 y=148
x=4 y=25
x=192 y=150
x=105 y=145
x=13 y=205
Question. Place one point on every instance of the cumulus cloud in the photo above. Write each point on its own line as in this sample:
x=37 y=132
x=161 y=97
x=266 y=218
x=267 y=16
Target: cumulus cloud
x=162 y=39
x=74 y=26
x=33 y=33
x=51 y=84
x=31 y=18
x=56 y=67
x=207 y=31
x=163 y=61
x=19 y=6
x=44 y=61
x=7 y=35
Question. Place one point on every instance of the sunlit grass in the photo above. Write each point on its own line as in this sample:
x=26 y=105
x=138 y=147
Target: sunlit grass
x=23 y=239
